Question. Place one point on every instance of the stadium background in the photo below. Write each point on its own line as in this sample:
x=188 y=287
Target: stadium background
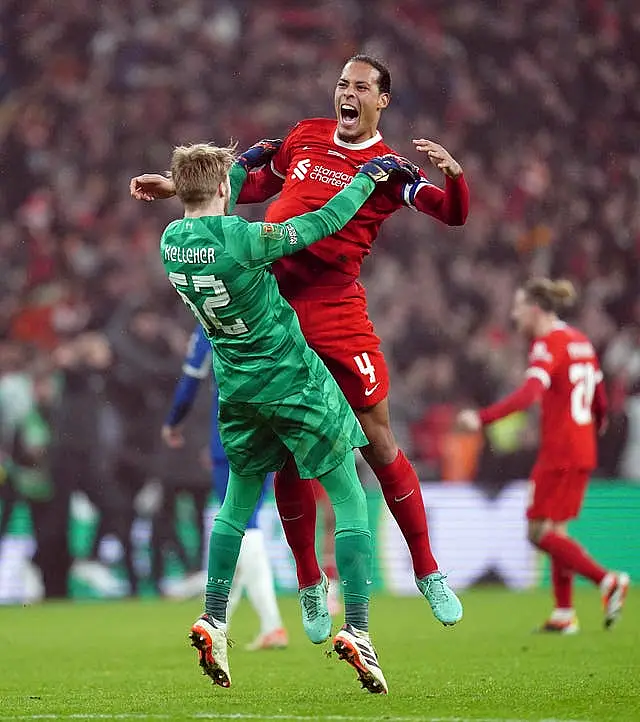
x=539 y=103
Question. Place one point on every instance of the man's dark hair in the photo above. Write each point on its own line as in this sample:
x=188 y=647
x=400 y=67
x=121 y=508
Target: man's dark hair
x=384 y=76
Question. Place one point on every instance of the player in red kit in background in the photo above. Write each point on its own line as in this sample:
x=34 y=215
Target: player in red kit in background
x=564 y=374
x=318 y=158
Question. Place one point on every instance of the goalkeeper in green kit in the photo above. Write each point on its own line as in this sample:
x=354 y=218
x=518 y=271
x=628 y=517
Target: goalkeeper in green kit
x=277 y=398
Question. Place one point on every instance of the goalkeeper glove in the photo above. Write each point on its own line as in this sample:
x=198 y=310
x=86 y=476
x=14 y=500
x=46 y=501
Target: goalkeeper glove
x=259 y=154
x=380 y=168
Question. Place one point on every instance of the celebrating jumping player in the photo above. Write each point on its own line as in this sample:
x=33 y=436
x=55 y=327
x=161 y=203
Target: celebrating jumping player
x=318 y=158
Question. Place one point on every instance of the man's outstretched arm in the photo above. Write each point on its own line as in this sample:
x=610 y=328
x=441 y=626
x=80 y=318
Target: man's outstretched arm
x=154 y=186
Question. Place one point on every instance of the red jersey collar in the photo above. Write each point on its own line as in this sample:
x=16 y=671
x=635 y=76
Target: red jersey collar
x=357 y=146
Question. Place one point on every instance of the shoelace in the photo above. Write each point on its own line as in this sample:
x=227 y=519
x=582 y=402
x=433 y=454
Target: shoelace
x=311 y=604
x=437 y=589
x=372 y=649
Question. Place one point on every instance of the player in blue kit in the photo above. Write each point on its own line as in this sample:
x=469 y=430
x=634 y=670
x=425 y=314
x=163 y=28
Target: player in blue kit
x=253 y=573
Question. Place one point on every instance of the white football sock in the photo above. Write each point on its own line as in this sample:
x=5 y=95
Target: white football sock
x=258 y=580
x=563 y=614
x=607 y=582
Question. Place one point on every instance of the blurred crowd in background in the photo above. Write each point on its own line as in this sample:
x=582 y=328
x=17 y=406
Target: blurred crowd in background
x=537 y=99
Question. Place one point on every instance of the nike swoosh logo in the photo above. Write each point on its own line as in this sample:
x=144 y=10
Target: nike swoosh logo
x=368 y=392
x=292 y=518
x=402 y=498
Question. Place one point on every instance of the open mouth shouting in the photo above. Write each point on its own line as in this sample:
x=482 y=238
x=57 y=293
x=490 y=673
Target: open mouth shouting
x=349 y=116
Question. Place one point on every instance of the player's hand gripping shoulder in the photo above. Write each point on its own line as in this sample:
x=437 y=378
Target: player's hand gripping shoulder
x=259 y=154
x=382 y=167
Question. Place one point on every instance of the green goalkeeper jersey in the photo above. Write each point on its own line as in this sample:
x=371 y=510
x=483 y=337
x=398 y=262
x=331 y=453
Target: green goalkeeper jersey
x=219 y=265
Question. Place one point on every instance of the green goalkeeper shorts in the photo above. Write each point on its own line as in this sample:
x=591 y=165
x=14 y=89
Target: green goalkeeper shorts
x=316 y=425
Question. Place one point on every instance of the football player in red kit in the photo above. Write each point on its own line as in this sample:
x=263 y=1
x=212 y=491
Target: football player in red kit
x=318 y=158
x=565 y=376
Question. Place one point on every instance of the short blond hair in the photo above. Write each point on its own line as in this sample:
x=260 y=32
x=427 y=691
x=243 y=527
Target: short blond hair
x=197 y=170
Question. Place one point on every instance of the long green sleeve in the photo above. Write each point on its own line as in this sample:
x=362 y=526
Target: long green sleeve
x=237 y=176
x=262 y=243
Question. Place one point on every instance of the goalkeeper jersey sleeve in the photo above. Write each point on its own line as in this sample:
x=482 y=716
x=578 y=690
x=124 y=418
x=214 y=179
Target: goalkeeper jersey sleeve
x=259 y=244
x=237 y=177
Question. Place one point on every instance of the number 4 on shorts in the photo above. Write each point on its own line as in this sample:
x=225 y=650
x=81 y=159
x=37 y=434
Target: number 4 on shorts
x=366 y=368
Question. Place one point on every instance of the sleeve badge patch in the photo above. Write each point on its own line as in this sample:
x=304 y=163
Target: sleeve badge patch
x=272 y=231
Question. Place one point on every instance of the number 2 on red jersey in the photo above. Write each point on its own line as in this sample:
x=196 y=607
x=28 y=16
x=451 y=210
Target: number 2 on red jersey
x=583 y=378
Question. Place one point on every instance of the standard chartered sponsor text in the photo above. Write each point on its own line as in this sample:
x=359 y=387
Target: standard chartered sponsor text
x=337 y=178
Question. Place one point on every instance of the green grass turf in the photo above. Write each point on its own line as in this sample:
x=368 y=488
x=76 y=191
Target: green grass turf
x=132 y=660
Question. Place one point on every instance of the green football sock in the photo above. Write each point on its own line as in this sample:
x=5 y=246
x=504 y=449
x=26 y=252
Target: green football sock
x=224 y=548
x=239 y=502
x=353 y=539
x=353 y=559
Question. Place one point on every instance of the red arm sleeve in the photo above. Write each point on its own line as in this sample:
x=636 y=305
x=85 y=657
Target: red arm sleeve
x=530 y=391
x=268 y=181
x=260 y=185
x=451 y=205
x=600 y=406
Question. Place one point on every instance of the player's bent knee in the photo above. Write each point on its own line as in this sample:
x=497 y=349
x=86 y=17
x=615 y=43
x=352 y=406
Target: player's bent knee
x=353 y=529
x=382 y=448
x=535 y=531
x=349 y=505
x=380 y=452
x=532 y=532
x=352 y=503
x=375 y=422
x=227 y=524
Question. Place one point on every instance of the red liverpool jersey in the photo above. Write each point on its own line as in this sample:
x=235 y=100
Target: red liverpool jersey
x=565 y=362
x=314 y=165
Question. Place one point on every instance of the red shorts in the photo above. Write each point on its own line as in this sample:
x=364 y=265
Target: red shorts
x=340 y=332
x=557 y=494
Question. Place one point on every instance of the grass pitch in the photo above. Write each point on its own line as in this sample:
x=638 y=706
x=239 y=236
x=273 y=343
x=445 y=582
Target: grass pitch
x=131 y=660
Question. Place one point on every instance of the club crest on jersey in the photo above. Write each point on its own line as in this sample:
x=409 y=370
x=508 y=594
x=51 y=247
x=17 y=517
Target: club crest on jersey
x=540 y=352
x=272 y=231
x=301 y=169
